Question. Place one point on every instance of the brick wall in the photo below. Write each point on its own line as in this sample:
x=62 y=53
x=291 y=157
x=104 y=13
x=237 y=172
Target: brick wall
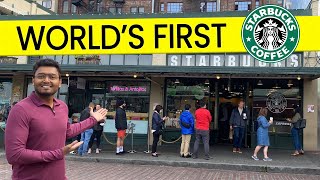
x=188 y=5
x=106 y=4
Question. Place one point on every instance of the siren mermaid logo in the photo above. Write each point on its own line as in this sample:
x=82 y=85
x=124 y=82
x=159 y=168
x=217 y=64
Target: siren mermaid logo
x=276 y=102
x=270 y=33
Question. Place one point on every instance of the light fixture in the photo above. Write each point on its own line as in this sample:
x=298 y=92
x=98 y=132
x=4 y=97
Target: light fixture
x=299 y=78
x=67 y=75
x=276 y=86
x=207 y=82
x=289 y=83
x=218 y=77
x=260 y=83
x=177 y=81
x=135 y=76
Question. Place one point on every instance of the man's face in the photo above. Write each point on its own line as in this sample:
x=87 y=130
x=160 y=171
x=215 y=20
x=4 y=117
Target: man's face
x=46 y=81
x=98 y=107
x=241 y=104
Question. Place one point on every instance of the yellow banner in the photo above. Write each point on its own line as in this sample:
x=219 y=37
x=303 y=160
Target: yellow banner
x=136 y=36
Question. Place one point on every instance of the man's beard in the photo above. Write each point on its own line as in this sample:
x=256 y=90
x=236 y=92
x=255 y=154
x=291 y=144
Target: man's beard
x=45 y=94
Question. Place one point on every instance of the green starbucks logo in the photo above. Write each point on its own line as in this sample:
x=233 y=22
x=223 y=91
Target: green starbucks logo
x=270 y=33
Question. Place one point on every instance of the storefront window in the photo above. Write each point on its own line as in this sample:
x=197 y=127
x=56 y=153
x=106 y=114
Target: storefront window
x=135 y=94
x=279 y=97
x=181 y=91
x=5 y=97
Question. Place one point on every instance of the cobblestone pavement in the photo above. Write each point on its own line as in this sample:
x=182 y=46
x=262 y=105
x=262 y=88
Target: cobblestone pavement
x=77 y=170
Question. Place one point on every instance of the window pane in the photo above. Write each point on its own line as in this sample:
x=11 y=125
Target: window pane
x=141 y=9
x=65 y=8
x=117 y=60
x=105 y=59
x=131 y=60
x=174 y=7
x=145 y=60
x=47 y=4
x=112 y=10
x=73 y=8
x=162 y=7
x=242 y=6
x=119 y=10
x=133 y=10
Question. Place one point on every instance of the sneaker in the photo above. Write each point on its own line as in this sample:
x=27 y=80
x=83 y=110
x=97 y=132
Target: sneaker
x=234 y=150
x=89 y=151
x=187 y=156
x=255 y=158
x=118 y=153
x=154 y=155
x=239 y=151
x=208 y=158
x=72 y=152
x=182 y=156
x=97 y=151
x=267 y=159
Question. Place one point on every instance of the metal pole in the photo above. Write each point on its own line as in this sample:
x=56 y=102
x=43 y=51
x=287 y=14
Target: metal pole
x=132 y=151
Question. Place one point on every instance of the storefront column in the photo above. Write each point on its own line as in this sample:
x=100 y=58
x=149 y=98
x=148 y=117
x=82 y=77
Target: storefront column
x=17 y=87
x=156 y=98
x=310 y=133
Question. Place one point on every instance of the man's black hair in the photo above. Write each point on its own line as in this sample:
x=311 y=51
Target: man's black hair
x=202 y=103
x=46 y=62
x=187 y=107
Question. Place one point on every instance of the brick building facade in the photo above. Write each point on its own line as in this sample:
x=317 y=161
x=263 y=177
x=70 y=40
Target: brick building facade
x=160 y=6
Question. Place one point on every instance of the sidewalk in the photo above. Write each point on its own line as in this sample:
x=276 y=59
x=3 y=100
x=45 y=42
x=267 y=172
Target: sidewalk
x=223 y=159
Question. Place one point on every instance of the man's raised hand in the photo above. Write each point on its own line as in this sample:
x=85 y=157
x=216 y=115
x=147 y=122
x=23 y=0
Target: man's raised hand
x=100 y=114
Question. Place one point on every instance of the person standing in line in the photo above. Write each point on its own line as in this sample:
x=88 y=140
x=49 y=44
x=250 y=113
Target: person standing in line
x=187 y=129
x=295 y=131
x=86 y=135
x=97 y=132
x=203 y=119
x=38 y=127
x=263 y=135
x=121 y=125
x=157 y=128
x=238 y=121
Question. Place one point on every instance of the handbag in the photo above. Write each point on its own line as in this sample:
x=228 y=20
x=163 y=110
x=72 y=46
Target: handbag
x=300 y=124
x=184 y=124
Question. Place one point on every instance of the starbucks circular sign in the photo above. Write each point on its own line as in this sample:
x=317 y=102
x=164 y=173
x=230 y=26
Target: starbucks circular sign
x=270 y=33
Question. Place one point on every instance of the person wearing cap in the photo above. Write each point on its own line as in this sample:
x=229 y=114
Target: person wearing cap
x=121 y=125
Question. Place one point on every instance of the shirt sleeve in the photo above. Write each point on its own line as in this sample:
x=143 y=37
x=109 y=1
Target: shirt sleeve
x=16 y=137
x=77 y=128
x=264 y=122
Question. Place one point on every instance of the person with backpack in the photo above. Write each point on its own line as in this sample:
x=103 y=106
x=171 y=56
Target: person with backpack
x=187 y=129
x=295 y=131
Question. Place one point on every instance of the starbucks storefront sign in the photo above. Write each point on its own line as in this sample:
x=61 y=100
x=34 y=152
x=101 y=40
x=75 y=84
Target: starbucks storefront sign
x=229 y=60
x=270 y=33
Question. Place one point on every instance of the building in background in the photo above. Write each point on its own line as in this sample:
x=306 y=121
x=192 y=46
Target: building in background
x=173 y=80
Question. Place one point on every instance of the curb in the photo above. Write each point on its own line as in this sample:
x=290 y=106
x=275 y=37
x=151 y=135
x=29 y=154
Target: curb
x=206 y=165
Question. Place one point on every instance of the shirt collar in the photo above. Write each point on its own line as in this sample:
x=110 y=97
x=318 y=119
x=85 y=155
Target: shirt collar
x=38 y=102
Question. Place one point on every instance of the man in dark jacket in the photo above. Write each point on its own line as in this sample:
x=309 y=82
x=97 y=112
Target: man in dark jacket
x=238 y=121
x=187 y=129
x=121 y=125
x=97 y=132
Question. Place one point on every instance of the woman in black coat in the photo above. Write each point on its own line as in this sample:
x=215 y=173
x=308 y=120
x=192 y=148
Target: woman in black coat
x=157 y=124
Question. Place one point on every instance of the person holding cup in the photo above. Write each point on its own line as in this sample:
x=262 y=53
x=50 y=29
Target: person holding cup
x=263 y=135
x=238 y=122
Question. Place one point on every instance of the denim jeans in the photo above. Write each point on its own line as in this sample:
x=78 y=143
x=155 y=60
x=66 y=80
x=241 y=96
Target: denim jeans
x=296 y=139
x=85 y=137
x=238 y=136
